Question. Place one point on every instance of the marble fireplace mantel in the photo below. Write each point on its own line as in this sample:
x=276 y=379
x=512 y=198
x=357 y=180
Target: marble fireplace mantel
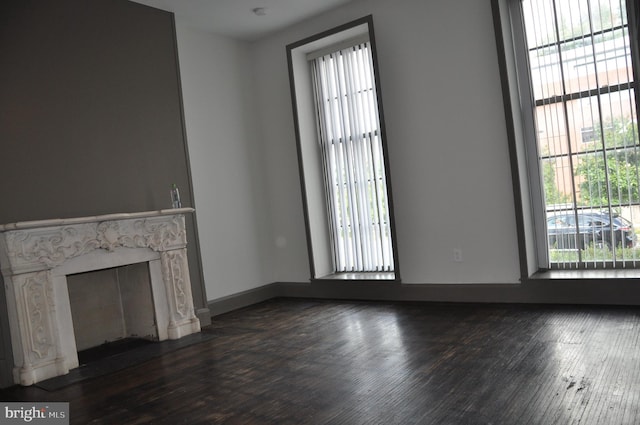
x=36 y=257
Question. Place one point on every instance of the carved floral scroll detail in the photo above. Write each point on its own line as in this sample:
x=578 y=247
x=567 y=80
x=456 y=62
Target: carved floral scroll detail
x=37 y=291
x=51 y=247
x=146 y=233
x=176 y=279
x=39 y=249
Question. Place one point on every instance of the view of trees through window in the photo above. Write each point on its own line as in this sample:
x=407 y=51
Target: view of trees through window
x=587 y=130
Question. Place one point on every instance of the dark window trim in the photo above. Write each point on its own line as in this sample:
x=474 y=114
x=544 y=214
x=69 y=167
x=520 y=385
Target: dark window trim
x=545 y=274
x=368 y=20
x=511 y=138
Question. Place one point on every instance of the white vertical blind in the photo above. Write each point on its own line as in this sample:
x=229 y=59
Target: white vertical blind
x=353 y=160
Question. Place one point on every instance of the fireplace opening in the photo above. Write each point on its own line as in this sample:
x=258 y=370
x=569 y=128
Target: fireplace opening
x=112 y=310
x=111 y=350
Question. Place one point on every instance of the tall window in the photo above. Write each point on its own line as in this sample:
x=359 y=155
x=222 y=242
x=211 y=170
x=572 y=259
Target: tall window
x=581 y=75
x=353 y=160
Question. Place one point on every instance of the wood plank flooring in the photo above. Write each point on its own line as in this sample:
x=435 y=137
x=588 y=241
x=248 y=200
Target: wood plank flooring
x=288 y=361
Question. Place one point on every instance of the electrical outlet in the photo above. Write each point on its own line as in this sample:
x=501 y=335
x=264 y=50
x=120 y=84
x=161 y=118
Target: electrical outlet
x=457 y=255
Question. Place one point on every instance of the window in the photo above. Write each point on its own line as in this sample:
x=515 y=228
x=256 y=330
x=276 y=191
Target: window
x=588 y=135
x=342 y=154
x=576 y=65
x=353 y=160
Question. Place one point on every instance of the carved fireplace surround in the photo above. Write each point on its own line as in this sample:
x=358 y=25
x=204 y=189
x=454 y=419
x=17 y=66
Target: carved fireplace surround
x=36 y=257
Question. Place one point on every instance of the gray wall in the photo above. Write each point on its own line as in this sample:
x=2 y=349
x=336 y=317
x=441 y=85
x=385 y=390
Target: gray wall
x=91 y=116
x=449 y=162
x=448 y=152
x=446 y=137
x=227 y=161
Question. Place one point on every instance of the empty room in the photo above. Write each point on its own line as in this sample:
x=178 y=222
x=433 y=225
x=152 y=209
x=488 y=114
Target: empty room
x=320 y=212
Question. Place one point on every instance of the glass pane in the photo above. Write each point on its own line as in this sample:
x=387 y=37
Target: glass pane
x=557 y=175
x=545 y=72
x=551 y=127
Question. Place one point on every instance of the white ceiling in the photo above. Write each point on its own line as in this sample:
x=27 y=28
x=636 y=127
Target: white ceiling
x=235 y=18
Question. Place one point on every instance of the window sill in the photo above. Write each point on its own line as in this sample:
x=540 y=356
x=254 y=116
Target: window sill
x=363 y=276
x=586 y=274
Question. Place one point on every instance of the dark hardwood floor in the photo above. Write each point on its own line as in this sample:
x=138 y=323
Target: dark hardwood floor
x=323 y=362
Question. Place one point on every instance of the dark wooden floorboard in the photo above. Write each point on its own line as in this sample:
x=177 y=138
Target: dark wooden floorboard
x=324 y=362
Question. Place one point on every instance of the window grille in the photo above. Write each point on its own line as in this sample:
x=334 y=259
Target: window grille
x=585 y=109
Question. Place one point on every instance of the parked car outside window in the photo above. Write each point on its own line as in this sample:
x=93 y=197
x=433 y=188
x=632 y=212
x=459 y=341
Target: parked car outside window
x=591 y=228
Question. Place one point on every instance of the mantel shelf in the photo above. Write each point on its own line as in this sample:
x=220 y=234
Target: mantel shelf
x=91 y=219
